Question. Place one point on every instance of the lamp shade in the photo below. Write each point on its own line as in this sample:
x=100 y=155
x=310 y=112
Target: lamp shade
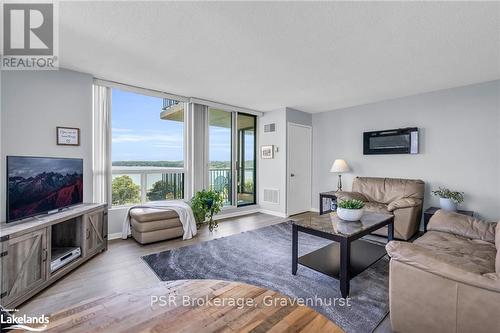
x=339 y=166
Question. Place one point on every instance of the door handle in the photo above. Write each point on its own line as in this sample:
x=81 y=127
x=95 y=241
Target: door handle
x=292 y=175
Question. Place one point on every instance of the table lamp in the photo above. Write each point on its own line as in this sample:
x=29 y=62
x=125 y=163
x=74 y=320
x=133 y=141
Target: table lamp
x=339 y=166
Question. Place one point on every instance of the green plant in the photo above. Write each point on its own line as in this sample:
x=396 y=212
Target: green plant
x=351 y=204
x=249 y=186
x=205 y=204
x=445 y=193
x=125 y=191
x=161 y=190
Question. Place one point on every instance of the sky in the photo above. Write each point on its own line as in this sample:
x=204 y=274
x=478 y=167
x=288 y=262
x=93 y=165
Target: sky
x=138 y=133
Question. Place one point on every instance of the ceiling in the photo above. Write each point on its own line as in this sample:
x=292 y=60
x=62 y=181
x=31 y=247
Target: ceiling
x=311 y=56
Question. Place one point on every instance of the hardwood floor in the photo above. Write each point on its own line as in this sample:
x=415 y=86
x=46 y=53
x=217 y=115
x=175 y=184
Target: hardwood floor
x=190 y=306
x=121 y=268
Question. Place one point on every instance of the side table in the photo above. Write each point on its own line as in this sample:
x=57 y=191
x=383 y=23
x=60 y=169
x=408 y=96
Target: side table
x=328 y=197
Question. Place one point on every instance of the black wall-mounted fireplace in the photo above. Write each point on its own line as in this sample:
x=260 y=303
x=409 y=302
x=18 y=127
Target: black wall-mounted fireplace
x=395 y=141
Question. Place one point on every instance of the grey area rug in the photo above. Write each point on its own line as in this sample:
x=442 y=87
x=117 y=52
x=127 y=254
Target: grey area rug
x=262 y=257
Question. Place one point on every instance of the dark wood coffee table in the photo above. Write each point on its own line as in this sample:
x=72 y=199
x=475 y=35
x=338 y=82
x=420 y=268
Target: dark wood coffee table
x=348 y=255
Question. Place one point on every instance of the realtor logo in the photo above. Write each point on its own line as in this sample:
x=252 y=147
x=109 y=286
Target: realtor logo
x=10 y=321
x=29 y=31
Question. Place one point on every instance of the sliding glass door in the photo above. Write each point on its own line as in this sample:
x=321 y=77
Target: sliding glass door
x=220 y=153
x=231 y=150
x=246 y=165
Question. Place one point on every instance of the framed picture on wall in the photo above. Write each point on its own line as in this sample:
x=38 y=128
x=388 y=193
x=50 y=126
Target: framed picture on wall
x=267 y=152
x=68 y=136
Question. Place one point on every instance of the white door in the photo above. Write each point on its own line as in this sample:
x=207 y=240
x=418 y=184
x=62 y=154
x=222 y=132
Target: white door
x=299 y=169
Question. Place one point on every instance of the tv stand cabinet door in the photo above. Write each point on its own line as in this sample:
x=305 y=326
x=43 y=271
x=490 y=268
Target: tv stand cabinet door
x=95 y=232
x=24 y=265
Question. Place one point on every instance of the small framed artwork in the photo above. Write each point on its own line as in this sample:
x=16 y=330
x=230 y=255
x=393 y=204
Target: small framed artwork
x=68 y=136
x=267 y=152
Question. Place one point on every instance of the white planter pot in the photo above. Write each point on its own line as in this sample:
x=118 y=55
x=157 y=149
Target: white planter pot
x=349 y=214
x=448 y=204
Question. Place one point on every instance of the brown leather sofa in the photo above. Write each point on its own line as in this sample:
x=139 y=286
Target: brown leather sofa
x=448 y=280
x=401 y=197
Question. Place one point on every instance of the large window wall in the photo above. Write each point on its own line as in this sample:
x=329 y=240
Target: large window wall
x=147 y=148
x=152 y=152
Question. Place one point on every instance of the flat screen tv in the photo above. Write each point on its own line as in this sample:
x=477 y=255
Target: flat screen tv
x=38 y=185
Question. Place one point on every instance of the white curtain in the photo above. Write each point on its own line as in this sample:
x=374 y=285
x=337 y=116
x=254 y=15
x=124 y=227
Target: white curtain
x=101 y=151
x=199 y=159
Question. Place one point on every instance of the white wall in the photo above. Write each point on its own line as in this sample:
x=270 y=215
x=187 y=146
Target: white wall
x=272 y=172
x=459 y=143
x=298 y=117
x=33 y=103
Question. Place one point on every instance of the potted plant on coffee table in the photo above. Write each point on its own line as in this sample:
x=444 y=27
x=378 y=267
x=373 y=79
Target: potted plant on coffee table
x=448 y=199
x=350 y=210
x=205 y=205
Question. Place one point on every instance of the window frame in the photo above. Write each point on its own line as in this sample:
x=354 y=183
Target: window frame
x=188 y=171
x=254 y=158
x=234 y=156
x=117 y=170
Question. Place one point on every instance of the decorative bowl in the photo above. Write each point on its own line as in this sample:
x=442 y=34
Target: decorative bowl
x=349 y=214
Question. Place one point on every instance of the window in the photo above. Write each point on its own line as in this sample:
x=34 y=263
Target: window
x=220 y=153
x=147 y=148
x=232 y=143
x=246 y=159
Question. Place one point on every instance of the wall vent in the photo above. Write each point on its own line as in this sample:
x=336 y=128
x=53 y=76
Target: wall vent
x=269 y=128
x=272 y=196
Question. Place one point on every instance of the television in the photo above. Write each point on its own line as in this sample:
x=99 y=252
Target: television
x=38 y=185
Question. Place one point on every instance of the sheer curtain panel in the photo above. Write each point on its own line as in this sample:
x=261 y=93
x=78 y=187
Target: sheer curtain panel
x=101 y=165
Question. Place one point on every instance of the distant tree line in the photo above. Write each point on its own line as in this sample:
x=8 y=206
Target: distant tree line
x=176 y=164
x=163 y=164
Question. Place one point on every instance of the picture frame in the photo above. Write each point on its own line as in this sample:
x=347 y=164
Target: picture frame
x=267 y=152
x=67 y=136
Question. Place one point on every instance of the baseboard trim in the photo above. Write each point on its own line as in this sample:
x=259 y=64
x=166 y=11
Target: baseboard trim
x=116 y=235
x=271 y=212
x=236 y=213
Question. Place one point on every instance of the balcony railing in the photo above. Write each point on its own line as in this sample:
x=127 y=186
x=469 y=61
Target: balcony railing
x=168 y=103
x=220 y=180
x=135 y=185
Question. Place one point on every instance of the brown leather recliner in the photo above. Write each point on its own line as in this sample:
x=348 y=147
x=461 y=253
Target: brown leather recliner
x=448 y=280
x=401 y=197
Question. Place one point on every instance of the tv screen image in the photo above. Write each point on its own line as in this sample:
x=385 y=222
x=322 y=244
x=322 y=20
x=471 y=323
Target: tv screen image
x=37 y=185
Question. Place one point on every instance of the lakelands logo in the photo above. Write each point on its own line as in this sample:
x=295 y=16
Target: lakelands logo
x=24 y=322
x=29 y=36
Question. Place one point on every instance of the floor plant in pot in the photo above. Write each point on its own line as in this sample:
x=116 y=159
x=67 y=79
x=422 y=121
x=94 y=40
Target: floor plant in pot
x=448 y=199
x=350 y=210
x=205 y=205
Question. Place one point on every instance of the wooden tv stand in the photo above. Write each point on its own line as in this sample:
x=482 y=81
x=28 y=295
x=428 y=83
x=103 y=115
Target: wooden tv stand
x=25 y=249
